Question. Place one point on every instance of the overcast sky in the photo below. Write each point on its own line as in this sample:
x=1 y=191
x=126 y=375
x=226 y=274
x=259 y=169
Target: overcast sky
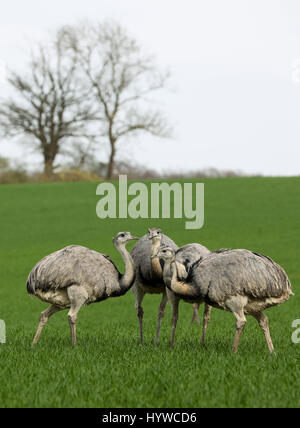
x=235 y=99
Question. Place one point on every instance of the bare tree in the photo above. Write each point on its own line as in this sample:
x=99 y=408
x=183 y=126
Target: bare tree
x=122 y=81
x=48 y=104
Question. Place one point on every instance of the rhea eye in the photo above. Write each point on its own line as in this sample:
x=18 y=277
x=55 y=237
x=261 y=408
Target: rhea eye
x=122 y=235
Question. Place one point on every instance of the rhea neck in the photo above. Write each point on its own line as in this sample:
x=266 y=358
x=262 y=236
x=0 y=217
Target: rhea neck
x=170 y=276
x=156 y=271
x=126 y=280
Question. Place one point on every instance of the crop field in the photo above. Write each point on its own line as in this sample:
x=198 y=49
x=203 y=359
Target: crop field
x=109 y=368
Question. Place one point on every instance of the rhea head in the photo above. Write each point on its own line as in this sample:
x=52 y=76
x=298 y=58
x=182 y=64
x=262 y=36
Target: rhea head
x=165 y=253
x=154 y=234
x=123 y=237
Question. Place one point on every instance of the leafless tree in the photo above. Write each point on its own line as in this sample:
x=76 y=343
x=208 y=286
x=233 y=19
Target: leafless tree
x=122 y=81
x=49 y=105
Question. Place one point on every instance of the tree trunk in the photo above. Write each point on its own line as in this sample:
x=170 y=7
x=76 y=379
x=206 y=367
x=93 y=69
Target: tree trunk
x=48 y=165
x=111 y=163
x=50 y=150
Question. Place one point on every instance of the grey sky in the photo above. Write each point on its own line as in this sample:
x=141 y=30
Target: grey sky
x=235 y=101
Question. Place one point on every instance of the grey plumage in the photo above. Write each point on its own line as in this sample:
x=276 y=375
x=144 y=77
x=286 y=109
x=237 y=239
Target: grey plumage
x=149 y=277
x=188 y=255
x=76 y=276
x=228 y=273
x=140 y=255
x=76 y=265
x=239 y=281
x=191 y=253
x=149 y=274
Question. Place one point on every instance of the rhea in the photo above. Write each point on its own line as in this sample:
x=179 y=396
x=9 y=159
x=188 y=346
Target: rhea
x=239 y=281
x=149 y=275
x=185 y=257
x=76 y=276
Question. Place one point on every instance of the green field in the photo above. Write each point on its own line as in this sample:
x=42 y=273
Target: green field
x=109 y=368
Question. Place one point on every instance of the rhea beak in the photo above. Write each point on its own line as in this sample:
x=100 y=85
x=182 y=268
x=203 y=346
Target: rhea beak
x=154 y=236
x=134 y=238
x=154 y=255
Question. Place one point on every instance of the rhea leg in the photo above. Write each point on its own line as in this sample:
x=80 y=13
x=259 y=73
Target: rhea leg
x=44 y=317
x=240 y=324
x=195 y=313
x=206 y=318
x=161 y=313
x=264 y=325
x=174 y=303
x=78 y=298
x=236 y=305
x=139 y=296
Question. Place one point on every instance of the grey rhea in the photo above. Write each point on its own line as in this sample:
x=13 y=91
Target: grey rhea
x=149 y=276
x=187 y=256
x=239 y=281
x=76 y=276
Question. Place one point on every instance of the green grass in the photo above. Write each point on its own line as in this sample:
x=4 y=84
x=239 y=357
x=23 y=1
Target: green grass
x=109 y=368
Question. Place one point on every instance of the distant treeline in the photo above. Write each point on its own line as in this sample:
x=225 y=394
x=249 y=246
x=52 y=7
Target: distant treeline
x=18 y=174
